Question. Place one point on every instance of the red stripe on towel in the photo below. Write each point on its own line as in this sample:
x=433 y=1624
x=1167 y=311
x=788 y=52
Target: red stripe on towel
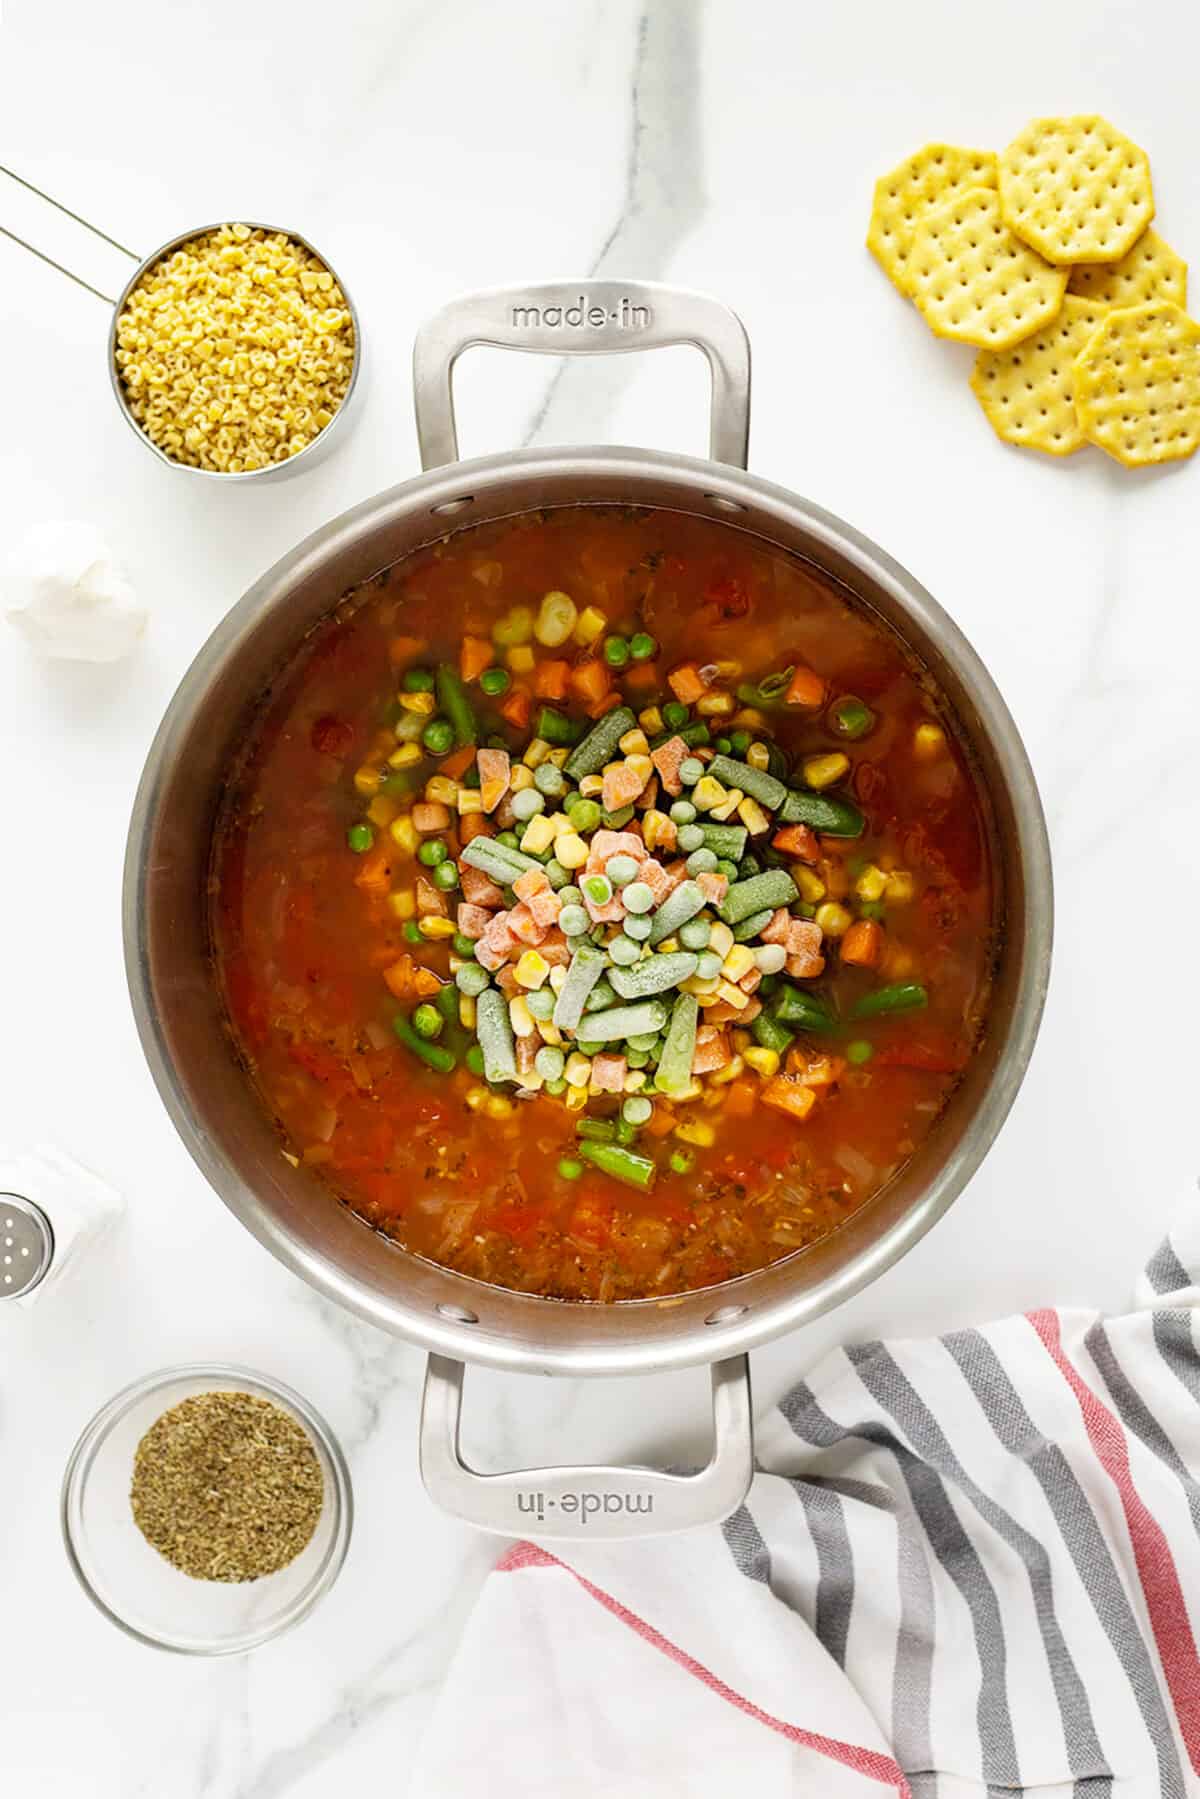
x=867 y=1762
x=1159 y=1577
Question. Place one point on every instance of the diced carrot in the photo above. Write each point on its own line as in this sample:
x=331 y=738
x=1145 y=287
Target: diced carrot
x=661 y=1121
x=686 y=683
x=531 y=882
x=590 y=681
x=375 y=870
x=622 y=785
x=550 y=680
x=473 y=824
x=648 y=797
x=473 y=921
x=711 y=1054
x=426 y=982
x=399 y=978
x=642 y=676
x=494 y=775
x=740 y=1100
x=457 y=764
x=713 y=886
x=862 y=946
x=607 y=704
x=431 y=901
x=806 y=689
x=545 y=906
x=523 y=925
x=608 y=1072
x=668 y=759
x=430 y=815
x=474 y=657
x=798 y=841
x=776 y=928
x=517 y=708
x=788 y=1093
x=403 y=650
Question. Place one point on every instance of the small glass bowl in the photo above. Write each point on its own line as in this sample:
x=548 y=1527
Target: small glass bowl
x=139 y=1589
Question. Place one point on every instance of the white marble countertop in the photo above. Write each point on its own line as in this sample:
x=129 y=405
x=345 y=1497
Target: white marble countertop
x=430 y=149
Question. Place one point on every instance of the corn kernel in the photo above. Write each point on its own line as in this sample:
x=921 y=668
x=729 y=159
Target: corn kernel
x=366 y=780
x=651 y=721
x=571 y=850
x=738 y=962
x=742 y=1041
x=469 y=800
x=812 y=887
x=537 y=752
x=751 y=719
x=382 y=810
x=753 y=817
x=515 y=627
x=520 y=659
x=764 y=1062
x=496 y=1106
x=759 y=756
x=558 y=756
x=440 y=790
x=715 y=705
x=402 y=903
x=432 y=926
x=578 y=1071
x=871 y=883
x=833 y=919
x=520 y=777
x=634 y=743
x=576 y=1098
x=539 y=835
x=423 y=704
x=669 y=946
x=707 y=793
x=733 y=996
x=635 y=1080
x=520 y=1017
x=701 y=988
x=720 y=1077
x=404 y=756
x=684 y=1095
x=466 y=1011
x=640 y=765
x=694 y=1130
x=592 y=786
x=404 y=834
x=929 y=741
x=589 y=624
x=531 y=969
x=728 y=805
x=720 y=939
x=658 y=831
x=550 y=1032
x=477 y=1097
x=900 y=888
x=898 y=962
x=823 y=771
x=531 y=1081
x=558 y=980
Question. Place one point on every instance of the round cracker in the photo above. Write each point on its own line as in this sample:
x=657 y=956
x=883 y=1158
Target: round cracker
x=1150 y=271
x=1077 y=189
x=1028 y=392
x=934 y=175
x=976 y=282
x=1137 y=384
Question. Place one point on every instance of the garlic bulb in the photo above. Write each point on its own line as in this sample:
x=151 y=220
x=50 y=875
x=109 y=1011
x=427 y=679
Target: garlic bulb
x=64 y=593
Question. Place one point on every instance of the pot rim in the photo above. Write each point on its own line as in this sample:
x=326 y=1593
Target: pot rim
x=729 y=1330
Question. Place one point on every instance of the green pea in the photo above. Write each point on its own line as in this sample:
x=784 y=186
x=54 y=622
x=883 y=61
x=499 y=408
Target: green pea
x=616 y=652
x=647 y=1042
x=418 y=680
x=432 y=851
x=475 y=1060
x=702 y=862
x=852 y=717
x=642 y=646
x=555 y=1088
x=570 y=894
x=495 y=681
x=527 y=803
x=621 y=870
x=639 y=928
x=695 y=933
x=586 y=816
x=361 y=838
x=540 y=1002
x=548 y=779
x=463 y=946
x=509 y=839
x=574 y=921
x=587 y=1048
x=859 y=1051
x=438 y=736
x=445 y=876
x=683 y=812
x=428 y=1022
x=601 y=997
x=598 y=889
x=636 y=1058
x=637 y=1109
x=709 y=965
x=681 y=1161
x=570 y=1169
x=624 y=951
x=412 y=932
x=690 y=770
x=675 y=715
x=727 y=868
x=691 y=837
x=724 y=745
x=638 y=897
x=549 y=1062
x=739 y=742
x=471 y=979
x=556 y=874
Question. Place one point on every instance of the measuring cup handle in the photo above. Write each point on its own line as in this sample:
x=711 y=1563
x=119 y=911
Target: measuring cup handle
x=583 y=318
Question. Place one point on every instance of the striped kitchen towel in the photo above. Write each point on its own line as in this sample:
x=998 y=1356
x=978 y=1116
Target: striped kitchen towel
x=968 y=1567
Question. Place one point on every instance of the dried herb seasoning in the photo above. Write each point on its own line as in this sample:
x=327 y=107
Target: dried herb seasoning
x=227 y=1487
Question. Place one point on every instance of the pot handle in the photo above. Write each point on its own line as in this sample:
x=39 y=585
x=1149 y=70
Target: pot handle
x=583 y=1501
x=583 y=318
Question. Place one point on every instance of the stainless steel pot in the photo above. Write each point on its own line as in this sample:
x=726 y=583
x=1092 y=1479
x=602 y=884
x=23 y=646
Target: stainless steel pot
x=179 y=1016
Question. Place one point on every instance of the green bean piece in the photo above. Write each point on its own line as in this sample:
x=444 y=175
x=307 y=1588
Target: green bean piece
x=443 y=1060
x=446 y=1001
x=500 y=863
x=412 y=931
x=596 y=1130
x=587 y=965
x=760 y=785
x=750 y=927
x=452 y=698
x=774 y=887
x=555 y=727
x=905 y=996
x=770 y=1033
x=570 y=1169
x=625 y=1021
x=599 y=746
x=851 y=717
x=475 y=1060
x=682 y=903
x=681 y=1160
x=837 y=818
x=675 y=1063
x=656 y=974
x=494 y=1030
x=793 y=1006
x=600 y=998
x=726 y=840
x=693 y=735
x=621 y=1163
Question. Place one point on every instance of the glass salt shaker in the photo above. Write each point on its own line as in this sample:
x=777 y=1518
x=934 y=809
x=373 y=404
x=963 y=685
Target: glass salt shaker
x=52 y=1212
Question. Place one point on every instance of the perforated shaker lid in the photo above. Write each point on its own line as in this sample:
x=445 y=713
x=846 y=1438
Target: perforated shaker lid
x=26 y=1245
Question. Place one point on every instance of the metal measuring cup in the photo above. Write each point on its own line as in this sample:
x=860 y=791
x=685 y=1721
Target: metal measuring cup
x=312 y=452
